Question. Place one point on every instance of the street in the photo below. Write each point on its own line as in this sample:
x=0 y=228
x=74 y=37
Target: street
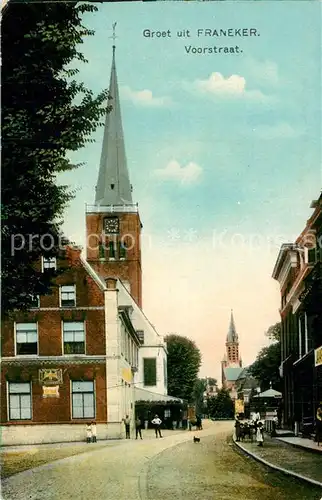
x=152 y=469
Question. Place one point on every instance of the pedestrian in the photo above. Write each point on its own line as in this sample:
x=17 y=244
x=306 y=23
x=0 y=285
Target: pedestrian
x=88 y=433
x=157 y=425
x=256 y=418
x=94 y=432
x=127 y=422
x=138 y=427
x=237 y=429
x=260 y=434
x=318 y=436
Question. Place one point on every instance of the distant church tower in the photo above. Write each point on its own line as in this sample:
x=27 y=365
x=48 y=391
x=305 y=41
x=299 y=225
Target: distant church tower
x=232 y=344
x=113 y=223
x=231 y=358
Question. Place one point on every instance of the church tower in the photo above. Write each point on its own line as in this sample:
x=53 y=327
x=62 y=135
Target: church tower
x=113 y=226
x=231 y=365
x=232 y=344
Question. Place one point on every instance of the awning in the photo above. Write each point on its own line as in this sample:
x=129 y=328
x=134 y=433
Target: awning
x=144 y=395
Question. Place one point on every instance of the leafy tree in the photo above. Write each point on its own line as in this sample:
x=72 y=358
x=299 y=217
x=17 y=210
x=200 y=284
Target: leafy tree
x=45 y=114
x=212 y=381
x=184 y=360
x=266 y=366
x=274 y=332
x=221 y=406
x=199 y=388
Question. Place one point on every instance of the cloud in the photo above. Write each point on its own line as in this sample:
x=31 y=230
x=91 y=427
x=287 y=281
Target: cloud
x=233 y=86
x=263 y=72
x=144 y=97
x=281 y=130
x=185 y=174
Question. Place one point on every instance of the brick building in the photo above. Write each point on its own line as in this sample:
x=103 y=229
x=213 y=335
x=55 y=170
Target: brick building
x=73 y=357
x=298 y=271
x=64 y=360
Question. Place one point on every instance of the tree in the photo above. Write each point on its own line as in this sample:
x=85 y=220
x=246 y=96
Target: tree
x=45 y=114
x=184 y=360
x=212 y=381
x=199 y=389
x=266 y=366
x=221 y=406
x=274 y=332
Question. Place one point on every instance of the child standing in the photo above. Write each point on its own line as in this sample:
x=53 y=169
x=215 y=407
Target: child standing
x=88 y=433
x=94 y=433
x=259 y=434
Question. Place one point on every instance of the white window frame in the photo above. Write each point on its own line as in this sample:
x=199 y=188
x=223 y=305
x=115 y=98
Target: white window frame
x=71 y=400
x=8 y=401
x=62 y=337
x=52 y=259
x=38 y=302
x=15 y=339
x=61 y=295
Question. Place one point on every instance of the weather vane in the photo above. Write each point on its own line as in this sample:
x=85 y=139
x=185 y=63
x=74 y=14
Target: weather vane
x=114 y=35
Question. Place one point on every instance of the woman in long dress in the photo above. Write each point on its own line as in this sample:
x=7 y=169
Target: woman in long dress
x=259 y=434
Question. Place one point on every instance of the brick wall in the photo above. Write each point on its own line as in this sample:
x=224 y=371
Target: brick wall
x=55 y=410
x=129 y=269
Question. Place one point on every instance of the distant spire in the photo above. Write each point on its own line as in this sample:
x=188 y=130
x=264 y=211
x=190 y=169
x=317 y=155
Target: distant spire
x=232 y=334
x=113 y=184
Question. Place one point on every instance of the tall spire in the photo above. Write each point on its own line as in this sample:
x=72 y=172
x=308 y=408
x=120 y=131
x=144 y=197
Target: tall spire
x=232 y=334
x=113 y=184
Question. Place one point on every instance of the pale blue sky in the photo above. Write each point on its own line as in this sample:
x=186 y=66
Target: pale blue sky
x=255 y=150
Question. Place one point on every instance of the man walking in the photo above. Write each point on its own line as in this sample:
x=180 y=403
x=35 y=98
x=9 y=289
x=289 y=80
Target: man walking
x=157 y=425
x=138 y=427
x=127 y=422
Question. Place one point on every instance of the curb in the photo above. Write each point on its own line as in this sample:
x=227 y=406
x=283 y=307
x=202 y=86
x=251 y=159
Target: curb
x=276 y=467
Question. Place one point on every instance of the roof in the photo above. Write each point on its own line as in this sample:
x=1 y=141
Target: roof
x=232 y=372
x=232 y=334
x=270 y=393
x=113 y=183
x=143 y=395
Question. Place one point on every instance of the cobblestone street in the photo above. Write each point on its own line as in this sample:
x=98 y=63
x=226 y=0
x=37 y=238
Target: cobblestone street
x=152 y=469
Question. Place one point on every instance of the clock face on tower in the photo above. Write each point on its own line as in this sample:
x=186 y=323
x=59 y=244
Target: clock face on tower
x=111 y=225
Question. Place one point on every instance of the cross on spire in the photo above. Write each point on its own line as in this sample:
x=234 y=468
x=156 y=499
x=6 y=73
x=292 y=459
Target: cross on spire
x=114 y=36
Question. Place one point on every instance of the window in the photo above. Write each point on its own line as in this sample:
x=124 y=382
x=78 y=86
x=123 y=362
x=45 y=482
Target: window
x=101 y=251
x=111 y=246
x=49 y=263
x=122 y=250
x=74 y=337
x=83 y=399
x=68 y=296
x=165 y=372
x=140 y=334
x=19 y=401
x=150 y=371
x=26 y=338
x=35 y=301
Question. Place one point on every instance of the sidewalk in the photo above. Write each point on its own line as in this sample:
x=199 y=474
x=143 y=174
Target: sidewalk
x=278 y=454
x=307 y=444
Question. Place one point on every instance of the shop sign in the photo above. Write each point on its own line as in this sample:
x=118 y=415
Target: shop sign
x=239 y=406
x=127 y=375
x=51 y=391
x=318 y=356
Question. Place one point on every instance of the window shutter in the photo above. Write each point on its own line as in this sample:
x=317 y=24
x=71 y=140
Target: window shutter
x=150 y=371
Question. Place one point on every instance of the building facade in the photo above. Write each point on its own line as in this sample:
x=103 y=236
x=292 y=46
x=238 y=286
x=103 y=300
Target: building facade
x=298 y=271
x=62 y=361
x=80 y=353
x=231 y=365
